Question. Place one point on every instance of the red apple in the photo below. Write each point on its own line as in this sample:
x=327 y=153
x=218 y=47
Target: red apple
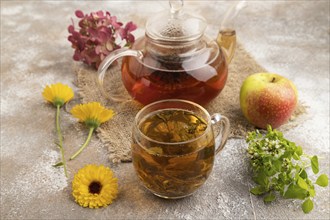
x=268 y=99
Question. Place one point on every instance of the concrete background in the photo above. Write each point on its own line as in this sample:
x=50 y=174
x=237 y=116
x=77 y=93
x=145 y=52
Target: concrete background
x=287 y=37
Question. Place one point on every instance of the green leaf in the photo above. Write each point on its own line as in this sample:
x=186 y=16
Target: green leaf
x=295 y=156
x=58 y=164
x=270 y=172
x=258 y=190
x=315 y=164
x=261 y=179
x=277 y=165
x=295 y=192
x=299 y=151
x=269 y=198
x=302 y=184
x=322 y=180
x=311 y=192
x=307 y=206
x=303 y=174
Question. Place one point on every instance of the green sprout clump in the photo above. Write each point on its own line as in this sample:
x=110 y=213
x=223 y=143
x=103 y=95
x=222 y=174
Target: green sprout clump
x=280 y=165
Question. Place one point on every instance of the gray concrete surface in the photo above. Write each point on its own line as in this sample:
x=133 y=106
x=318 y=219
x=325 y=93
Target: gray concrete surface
x=287 y=37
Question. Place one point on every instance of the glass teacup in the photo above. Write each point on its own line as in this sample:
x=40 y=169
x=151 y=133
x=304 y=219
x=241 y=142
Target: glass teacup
x=173 y=146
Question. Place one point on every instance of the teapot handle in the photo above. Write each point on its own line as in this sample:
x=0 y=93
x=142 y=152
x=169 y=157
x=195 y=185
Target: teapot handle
x=108 y=60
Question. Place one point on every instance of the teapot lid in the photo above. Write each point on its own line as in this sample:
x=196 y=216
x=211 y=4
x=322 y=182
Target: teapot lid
x=175 y=25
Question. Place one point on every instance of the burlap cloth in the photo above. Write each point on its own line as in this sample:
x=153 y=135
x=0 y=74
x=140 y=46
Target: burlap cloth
x=116 y=133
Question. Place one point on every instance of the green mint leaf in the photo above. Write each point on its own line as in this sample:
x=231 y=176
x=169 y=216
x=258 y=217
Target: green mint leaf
x=58 y=164
x=311 y=192
x=307 y=206
x=277 y=165
x=269 y=128
x=258 y=190
x=315 y=164
x=322 y=180
x=270 y=172
x=302 y=184
x=299 y=151
x=269 y=198
x=261 y=179
x=303 y=174
x=295 y=156
x=295 y=192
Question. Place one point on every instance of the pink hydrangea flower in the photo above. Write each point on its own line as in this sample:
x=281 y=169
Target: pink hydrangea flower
x=97 y=36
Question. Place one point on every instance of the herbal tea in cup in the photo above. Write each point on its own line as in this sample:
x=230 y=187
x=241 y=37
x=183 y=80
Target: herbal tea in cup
x=173 y=146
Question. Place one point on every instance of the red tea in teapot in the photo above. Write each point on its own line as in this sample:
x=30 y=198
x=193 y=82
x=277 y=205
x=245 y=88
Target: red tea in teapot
x=199 y=78
x=175 y=59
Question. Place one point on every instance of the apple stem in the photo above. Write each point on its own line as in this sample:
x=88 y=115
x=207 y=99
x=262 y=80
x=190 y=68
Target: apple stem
x=273 y=80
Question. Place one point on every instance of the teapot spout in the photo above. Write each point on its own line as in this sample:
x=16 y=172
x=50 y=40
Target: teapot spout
x=226 y=38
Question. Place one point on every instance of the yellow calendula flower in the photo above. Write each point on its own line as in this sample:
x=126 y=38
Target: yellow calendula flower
x=94 y=186
x=58 y=94
x=92 y=114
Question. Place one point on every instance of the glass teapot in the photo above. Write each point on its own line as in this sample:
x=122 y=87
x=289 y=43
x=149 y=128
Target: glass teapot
x=175 y=59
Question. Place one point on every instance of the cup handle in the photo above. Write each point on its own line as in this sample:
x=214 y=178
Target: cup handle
x=109 y=60
x=221 y=138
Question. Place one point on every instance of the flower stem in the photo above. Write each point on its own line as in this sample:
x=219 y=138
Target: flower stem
x=60 y=138
x=85 y=144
